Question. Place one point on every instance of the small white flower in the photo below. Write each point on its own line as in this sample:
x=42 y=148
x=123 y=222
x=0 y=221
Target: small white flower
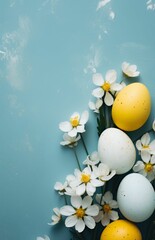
x=43 y=238
x=106 y=87
x=93 y=159
x=146 y=167
x=103 y=173
x=70 y=141
x=76 y=124
x=61 y=188
x=106 y=204
x=85 y=181
x=130 y=70
x=56 y=217
x=153 y=125
x=145 y=144
x=95 y=106
x=81 y=213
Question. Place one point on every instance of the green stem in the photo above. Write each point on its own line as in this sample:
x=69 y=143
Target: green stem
x=77 y=160
x=84 y=145
x=65 y=199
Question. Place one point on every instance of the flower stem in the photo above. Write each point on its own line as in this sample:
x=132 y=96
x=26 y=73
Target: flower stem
x=84 y=145
x=77 y=160
x=65 y=199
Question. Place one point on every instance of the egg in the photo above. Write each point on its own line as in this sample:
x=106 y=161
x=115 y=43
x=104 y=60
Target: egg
x=136 y=197
x=131 y=107
x=116 y=149
x=121 y=230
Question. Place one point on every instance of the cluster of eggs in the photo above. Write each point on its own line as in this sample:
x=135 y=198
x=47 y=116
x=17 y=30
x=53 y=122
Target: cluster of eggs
x=135 y=194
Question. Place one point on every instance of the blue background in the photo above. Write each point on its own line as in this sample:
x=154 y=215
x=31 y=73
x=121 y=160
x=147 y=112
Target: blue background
x=48 y=52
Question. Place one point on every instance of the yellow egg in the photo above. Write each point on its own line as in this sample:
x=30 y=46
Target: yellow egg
x=131 y=107
x=121 y=230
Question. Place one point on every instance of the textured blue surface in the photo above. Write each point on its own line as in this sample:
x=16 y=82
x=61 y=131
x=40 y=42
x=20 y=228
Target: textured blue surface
x=48 y=49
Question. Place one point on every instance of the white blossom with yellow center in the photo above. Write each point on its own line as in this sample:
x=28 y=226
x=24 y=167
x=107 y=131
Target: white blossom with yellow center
x=85 y=181
x=106 y=206
x=145 y=145
x=81 y=213
x=146 y=167
x=75 y=125
x=106 y=87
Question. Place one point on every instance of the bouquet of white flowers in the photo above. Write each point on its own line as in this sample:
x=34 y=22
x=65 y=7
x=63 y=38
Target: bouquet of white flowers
x=111 y=193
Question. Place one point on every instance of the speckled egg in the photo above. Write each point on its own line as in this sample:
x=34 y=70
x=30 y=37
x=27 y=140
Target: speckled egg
x=116 y=149
x=121 y=230
x=131 y=107
x=136 y=197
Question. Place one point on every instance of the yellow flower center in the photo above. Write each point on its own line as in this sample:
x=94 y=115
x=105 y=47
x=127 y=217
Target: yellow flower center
x=106 y=208
x=106 y=86
x=80 y=212
x=145 y=146
x=85 y=178
x=74 y=121
x=148 y=167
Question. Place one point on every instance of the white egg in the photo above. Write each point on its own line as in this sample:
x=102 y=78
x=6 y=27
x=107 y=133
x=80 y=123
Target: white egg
x=117 y=150
x=136 y=197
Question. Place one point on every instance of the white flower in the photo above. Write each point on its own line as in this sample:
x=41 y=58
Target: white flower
x=61 y=188
x=106 y=213
x=130 y=70
x=106 y=87
x=75 y=125
x=103 y=173
x=81 y=213
x=43 y=238
x=153 y=125
x=146 y=167
x=56 y=217
x=95 y=106
x=70 y=141
x=85 y=181
x=93 y=159
x=145 y=144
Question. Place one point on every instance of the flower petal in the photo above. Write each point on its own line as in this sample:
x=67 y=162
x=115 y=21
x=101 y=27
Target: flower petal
x=113 y=215
x=108 y=99
x=98 y=79
x=65 y=126
x=108 y=197
x=90 y=189
x=92 y=210
x=80 y=190
x=152 y=147
x=76 y=201
x=84 y=117
x=116 y=87
x=80 y=225
x=138 y=166
x=91 y=105
x=111 y=76
x=145 y=155
x=86 y=202
x=71 y=221
x=145 y=139
x=105 y=220
x=67 y=210
x=98 y=92
x=90 y=222
x=73 y=132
